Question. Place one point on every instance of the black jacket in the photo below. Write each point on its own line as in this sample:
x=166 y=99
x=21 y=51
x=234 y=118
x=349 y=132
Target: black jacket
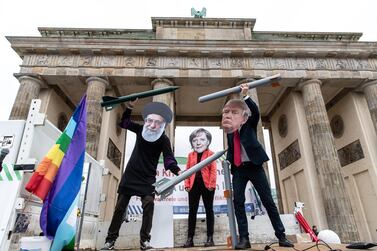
x=141 y=169
x=249 y=139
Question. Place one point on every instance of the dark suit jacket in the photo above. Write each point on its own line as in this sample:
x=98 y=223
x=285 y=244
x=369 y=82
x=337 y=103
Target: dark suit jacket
x=249 y=140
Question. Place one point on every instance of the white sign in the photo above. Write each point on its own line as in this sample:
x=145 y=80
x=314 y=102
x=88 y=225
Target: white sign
x=179 y=199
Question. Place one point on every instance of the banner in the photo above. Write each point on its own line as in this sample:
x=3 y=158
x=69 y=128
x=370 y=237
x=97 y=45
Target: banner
x=179 y=199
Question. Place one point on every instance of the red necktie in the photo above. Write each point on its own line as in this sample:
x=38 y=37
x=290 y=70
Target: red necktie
x=237 y=148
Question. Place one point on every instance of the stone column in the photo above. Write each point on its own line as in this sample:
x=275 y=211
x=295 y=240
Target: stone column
x=337 y=204
x=29 y=89
x=370 y=92
x=95 y=90
x=168 y=99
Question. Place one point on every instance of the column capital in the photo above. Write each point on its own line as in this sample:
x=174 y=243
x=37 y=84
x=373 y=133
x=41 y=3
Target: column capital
x=105 y=81
x=161 y=80
x=31 y=77
x=309 y=81
x=366 y=84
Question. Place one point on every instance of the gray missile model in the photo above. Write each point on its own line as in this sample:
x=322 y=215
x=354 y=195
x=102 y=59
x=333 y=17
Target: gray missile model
x=165 y=186
x=264 y=81
x=110 y=102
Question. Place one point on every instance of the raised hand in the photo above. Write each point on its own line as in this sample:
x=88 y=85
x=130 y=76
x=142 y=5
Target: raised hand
x=132 y=103
x=244 y=89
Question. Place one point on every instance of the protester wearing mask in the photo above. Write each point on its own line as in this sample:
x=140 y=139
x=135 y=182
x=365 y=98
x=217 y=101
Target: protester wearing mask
x=140 y=173
x=201 y=184
x=245 y=153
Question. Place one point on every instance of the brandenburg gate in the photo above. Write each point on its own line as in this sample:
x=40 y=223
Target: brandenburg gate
x=322 y=119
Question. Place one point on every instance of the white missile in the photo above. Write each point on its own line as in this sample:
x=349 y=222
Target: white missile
x=165 y=186
x=264 y=81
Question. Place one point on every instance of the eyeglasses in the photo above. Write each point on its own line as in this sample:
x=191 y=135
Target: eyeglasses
x=150 y=121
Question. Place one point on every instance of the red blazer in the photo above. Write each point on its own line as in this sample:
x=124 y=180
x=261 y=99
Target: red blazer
x=209 y=172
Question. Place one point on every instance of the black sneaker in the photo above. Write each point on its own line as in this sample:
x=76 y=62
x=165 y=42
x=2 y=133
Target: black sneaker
x=284 y=242
x=189 y=243
x=244 y=243
x=209 y=242
x=109 y=245
x=145 y=245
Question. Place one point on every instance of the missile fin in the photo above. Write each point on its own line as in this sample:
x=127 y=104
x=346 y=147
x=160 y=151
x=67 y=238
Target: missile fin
x=108 y=108
x=161 y=181
x=167 y=193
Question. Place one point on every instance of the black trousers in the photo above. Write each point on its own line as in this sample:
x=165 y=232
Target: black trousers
x=198 y=189
x=147 y=203
x=257 y=176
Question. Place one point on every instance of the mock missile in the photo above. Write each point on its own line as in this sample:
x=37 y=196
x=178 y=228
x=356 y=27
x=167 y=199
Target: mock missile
x=165 y=186
x=110 y=102
x=264 y=81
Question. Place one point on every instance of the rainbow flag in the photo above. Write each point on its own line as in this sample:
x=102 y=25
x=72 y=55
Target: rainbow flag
x=41 y=180
x=57 y=182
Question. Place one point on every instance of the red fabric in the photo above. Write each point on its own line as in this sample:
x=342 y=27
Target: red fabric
x=209 y=172
x=305 y=225
x=237 y=148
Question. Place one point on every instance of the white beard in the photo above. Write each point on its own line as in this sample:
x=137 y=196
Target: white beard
x=152 y=136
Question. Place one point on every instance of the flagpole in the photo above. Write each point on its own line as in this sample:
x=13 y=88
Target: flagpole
x=83 y=209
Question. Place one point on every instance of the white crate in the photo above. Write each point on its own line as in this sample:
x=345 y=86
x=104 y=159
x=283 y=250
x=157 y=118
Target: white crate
x=35 y=243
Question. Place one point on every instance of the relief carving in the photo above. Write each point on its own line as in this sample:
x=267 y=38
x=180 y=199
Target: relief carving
x=194 y=62
x=341 y=64
x=258 y=63
x=289 y=155
x=172 y=61
x=113 y=154
x=65 y=60
x=321 y=64
x=361 y=64
x=200 y=62
x=214 y=62
x=43 y=59
x=236 y=62
x=350 y=153
x=130 y=61
x=86 y=60
x=151 y=61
